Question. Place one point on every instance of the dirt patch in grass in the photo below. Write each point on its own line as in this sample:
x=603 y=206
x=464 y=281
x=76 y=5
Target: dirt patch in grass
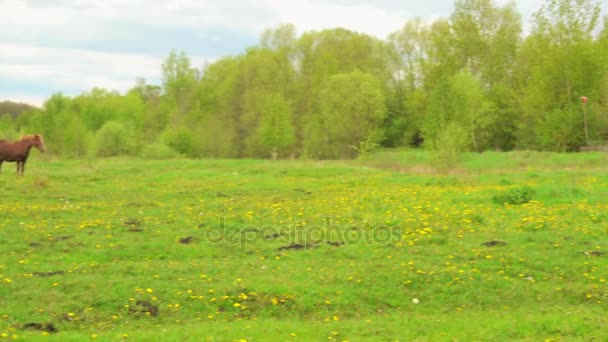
x=132 y=222
x=187 y=240
x=335 y=243
x=144 y=307
x=48 y=327
x=296 y=247
x=274 y=236
x=495 y=243
x=47 y=274
x=61 y=238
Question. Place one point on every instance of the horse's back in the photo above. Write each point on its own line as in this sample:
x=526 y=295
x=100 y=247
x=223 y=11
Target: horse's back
x=7 y=150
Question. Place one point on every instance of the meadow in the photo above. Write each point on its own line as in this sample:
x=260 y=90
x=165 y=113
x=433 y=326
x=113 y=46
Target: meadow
x=505 y=247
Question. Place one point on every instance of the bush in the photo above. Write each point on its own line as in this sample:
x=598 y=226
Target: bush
x=113 y=139
x=448 y=146
x=77 y=140
x=180 y=139
x=157 y=151
x=519 y=195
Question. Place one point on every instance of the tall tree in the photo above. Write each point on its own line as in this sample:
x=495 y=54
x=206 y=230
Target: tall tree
x=469 y=107
x=407 y=55
x=352 y=109
x=276 y=132
x=556 y=67
x=260 y=73
x=219 y=98
x=460 y=101
x=486 y=36
x=321 y=55
x=179 y=83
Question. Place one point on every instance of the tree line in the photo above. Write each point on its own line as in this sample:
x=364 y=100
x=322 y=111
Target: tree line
x=472 y=81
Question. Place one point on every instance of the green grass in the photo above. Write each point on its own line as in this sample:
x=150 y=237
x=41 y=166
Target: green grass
x=225 y=250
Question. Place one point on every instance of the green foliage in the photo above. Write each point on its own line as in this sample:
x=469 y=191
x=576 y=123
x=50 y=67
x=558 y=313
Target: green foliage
x=316 y=141
x=561 y=130
x=157 y=151
x=49 y=121
x=7 y=127
x=557 y=65
x=113 y=139
x=515 y=196
x=467 y=104
x=178 y=78
x=78 y=141
x=448 y=146
x=353 y=107
x=216 y=138
x=368 y=145
x=180 y=139
x=276 y=131
x=485 y=37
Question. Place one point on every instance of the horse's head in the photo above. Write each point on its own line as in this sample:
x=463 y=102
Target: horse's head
x=39 y=142
x=35 y=140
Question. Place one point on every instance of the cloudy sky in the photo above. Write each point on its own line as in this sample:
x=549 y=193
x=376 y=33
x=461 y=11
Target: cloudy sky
x=71 y=46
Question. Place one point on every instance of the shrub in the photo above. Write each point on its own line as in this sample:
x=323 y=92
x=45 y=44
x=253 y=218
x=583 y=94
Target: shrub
x=113 y=139
x=448 y=146
x=77 y=140
x=157 y=151
x=518 y=195
x=180 y=139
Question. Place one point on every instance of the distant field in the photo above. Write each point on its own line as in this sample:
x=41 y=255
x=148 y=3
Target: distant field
x=505 y=247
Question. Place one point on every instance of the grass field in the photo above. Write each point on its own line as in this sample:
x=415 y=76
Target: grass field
x=508 y=247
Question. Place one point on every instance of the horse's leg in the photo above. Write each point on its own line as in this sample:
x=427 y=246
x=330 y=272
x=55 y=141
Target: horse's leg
x=19 y=168
x=1 y=165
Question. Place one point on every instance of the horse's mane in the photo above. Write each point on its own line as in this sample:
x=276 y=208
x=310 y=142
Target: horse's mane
x=29 y=137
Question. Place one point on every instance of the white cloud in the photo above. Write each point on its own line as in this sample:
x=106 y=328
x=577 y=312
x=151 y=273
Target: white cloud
x=309 y=15
x=70 y=69
x=92 y=19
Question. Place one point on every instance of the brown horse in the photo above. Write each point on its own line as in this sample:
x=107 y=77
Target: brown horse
x=19 y=150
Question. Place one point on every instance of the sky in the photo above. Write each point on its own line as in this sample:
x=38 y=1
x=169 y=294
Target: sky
x=72 y=46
